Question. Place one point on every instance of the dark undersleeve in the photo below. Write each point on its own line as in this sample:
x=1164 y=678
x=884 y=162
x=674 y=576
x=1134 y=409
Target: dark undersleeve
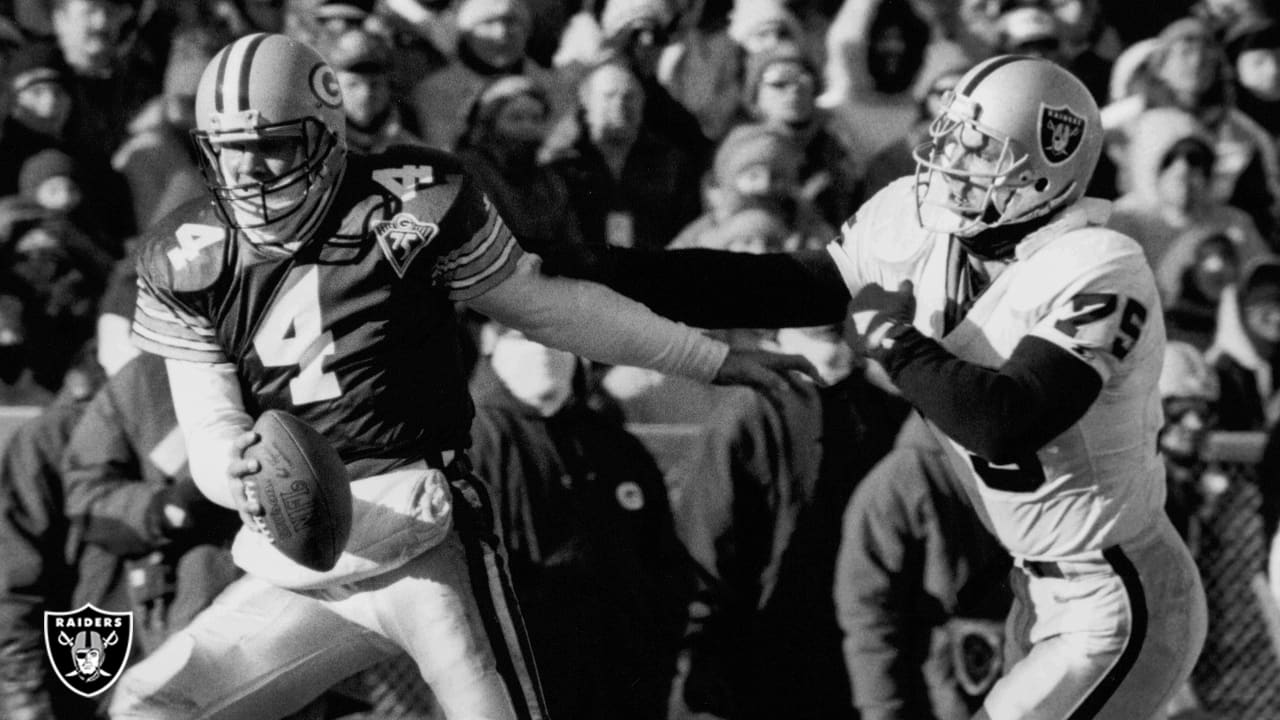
x=715 y=288
x=1001 y=415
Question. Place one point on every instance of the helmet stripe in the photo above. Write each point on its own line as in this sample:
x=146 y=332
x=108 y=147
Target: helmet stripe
x=982 y=71
x=220 y=82
x=245 y=66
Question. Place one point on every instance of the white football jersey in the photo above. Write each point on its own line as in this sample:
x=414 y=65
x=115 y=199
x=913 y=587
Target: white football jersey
x=1082 y=287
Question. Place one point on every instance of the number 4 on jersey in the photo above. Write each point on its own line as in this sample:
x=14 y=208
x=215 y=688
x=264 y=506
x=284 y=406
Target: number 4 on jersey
x=293 y=334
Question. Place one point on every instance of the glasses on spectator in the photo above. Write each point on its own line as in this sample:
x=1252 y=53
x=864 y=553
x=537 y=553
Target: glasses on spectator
x=1194 y=154
x=646 y=36
x=799 y=81
x=1176 y=409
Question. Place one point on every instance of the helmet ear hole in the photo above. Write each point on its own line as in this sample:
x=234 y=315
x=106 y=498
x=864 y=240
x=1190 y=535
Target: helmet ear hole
x=1042 y=184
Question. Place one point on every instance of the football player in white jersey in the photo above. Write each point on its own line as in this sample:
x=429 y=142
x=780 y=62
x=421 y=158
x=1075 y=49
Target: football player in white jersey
x=1031 y=339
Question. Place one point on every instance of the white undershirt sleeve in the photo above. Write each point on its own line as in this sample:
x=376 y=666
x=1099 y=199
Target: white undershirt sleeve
x=210 y=411
x=595 y=322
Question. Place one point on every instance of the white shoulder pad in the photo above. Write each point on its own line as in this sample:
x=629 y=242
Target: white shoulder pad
x=883 y=237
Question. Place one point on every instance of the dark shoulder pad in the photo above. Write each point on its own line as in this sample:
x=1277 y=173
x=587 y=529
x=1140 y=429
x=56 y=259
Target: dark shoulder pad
x=185 y=250
x=422 y=181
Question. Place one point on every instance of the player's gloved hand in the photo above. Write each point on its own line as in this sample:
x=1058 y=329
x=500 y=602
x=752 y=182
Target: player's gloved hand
x=243 y=492
x=880 y=315
x=765 y=370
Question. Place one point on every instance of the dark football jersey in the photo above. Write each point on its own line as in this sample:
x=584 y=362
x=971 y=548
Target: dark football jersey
x=356 y=331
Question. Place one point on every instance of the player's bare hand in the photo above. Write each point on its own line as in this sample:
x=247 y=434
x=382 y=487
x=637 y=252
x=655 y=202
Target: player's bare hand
x=765 y=370
x=242 y=492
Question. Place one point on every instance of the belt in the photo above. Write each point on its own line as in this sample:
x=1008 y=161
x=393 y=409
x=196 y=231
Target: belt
x=1063 y=569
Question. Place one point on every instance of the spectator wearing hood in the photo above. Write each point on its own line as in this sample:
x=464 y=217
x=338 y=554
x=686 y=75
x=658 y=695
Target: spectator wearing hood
x=363 y=62
x=1246 y=348
x=492 y=40
x=506 y=127
x=780 y=89
x=1187 y=69
x=629 y=186
x=704 y=69
x=882 y=63
x=756 y=167
x=1170 y=166
x=1255 y=55
x=1192 y=278
x=158 y=159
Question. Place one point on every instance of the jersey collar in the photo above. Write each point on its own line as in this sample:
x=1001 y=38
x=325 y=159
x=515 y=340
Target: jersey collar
x=1086 y=212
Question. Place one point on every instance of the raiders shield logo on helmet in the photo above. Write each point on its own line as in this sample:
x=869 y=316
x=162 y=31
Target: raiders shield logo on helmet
x=402 y=237
x=1060 y=133
x=88 y=647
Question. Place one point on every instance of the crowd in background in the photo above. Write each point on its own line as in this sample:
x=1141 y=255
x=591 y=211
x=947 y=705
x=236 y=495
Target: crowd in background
x=681 y=551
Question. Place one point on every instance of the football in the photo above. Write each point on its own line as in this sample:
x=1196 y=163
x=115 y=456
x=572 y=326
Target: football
x=303 y=488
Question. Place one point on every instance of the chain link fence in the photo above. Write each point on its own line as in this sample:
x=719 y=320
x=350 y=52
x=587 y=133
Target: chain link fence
x=1238 y=674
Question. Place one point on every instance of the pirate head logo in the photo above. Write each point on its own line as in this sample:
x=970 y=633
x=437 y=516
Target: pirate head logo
x=1060 y=133
x=88 y=647
x=402 y=237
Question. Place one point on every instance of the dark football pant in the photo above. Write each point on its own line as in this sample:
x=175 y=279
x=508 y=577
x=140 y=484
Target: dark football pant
x=263 y=652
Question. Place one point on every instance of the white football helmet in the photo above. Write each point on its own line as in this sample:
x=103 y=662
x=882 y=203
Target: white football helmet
x=1019 y=138
x=276 y=97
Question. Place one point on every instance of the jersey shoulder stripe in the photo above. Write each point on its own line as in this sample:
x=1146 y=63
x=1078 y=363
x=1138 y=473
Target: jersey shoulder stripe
x=182 y=257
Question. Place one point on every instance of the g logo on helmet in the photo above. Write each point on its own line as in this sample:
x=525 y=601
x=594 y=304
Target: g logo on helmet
x=324 y=85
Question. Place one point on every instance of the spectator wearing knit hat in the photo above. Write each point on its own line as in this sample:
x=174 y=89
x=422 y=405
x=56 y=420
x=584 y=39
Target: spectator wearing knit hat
x=363 y=61
x=628 y=185
x=506 y=127
x=640 y=31
x=1170 y=166
x=54 y=182
x=111 y=79
x=39 y=107
x=779 y=90
x=1255 y=54
x=59 y=285
x=158 y=159
x=492 y=40
x=1246 y=348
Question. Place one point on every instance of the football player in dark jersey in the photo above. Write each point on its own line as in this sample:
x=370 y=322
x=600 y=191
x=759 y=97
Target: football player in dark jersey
x=323 y=284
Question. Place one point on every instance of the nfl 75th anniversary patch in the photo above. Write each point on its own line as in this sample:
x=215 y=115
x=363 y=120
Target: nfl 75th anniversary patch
x=88 y=647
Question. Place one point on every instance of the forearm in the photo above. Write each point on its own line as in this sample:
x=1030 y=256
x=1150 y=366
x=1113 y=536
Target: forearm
x=210 y=411
x=716 y=289
x=594 y=322
x=1003 y=414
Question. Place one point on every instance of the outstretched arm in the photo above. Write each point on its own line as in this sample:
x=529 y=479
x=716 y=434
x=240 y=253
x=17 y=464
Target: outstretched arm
x=590 y=320
x=715 y=288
